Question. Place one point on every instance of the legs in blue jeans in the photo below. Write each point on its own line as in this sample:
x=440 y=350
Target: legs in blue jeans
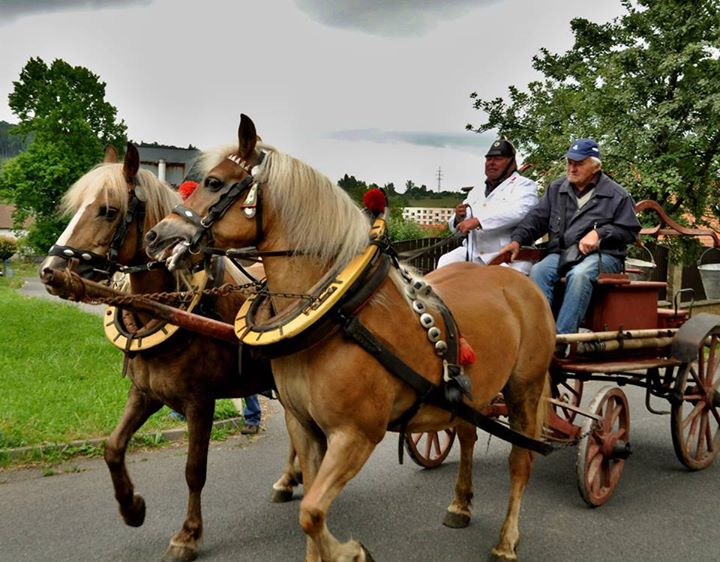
x=579 y=282
x=251 y=412
x=545 y=275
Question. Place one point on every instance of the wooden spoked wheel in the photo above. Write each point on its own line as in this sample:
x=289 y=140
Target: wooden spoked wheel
x=568 y=391
x=695 y=419
x=604 y=447
x=431 y=448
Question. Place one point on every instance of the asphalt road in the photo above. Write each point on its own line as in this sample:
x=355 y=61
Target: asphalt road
x=33 y=287
x=660 y=512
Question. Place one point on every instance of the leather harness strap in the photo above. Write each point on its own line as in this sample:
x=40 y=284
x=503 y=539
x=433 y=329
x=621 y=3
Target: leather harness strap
x=432 y=394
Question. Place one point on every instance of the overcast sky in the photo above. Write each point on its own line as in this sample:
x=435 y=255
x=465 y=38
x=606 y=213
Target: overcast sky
x=378 y=89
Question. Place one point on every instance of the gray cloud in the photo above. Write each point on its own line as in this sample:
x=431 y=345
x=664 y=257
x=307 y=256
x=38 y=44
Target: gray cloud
x=468 y=141
x=388 y=18
x=14 y=9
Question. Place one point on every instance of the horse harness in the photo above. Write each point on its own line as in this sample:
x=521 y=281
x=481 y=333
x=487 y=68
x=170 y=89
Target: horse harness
x=227 y=196
x=108 y=264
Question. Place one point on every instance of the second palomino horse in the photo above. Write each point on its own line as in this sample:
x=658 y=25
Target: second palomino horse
x=114 y=204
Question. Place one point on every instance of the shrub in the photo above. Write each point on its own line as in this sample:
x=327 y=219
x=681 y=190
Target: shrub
x=8 y=247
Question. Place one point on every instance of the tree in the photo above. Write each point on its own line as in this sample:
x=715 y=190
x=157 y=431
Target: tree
x=10 y=144
x=63 y=110
x=645 y=86
x=355 y=188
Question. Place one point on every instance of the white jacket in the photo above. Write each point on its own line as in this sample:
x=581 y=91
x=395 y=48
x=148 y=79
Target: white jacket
x=499 y=213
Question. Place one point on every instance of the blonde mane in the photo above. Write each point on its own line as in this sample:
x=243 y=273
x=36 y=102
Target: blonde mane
x=107 y=182
x=318 y=216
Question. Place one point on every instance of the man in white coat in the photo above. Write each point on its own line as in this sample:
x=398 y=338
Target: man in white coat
x=491 y=212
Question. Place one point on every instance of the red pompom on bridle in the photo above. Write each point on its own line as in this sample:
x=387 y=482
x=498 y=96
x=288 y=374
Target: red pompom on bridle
x=186 y=188
x=375 y=201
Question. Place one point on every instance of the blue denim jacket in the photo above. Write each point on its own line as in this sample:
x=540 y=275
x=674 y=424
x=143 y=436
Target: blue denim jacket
x=611 y=211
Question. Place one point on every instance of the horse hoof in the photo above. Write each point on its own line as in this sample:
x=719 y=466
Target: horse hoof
x=176 y=553
x=456 y=520
x=281 y=496
x=134 y=516
x=368 y=556
x=502 y=557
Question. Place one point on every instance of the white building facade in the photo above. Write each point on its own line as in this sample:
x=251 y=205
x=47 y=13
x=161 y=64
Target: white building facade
x=428 y=215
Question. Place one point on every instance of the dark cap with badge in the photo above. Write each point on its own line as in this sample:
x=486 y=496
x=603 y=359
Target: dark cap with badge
x=583 y=148
x=501 y=147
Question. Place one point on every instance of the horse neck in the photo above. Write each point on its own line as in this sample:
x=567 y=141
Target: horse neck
x=289 y=274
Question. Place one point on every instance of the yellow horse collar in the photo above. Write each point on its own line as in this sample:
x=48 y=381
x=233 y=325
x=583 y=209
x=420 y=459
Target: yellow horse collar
x=307 y=316
x=122 y=337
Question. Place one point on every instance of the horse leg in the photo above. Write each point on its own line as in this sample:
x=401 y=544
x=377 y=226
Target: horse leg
x=310 y=446
x=185 y=543
x=138 y=408
x=458 y=512
x=524 y=417
x=291 y=477
x=347 y=452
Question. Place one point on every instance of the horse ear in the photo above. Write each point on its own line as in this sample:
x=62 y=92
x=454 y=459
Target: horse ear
x=247 y=136
x=111 y=155
x=132 y=162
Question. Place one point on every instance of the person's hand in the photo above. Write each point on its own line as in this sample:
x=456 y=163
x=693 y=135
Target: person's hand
x=460 y=211
x=513 y=248
x=589 y=243
x=468 y=224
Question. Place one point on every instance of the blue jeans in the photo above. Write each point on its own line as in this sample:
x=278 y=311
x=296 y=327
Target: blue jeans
x=251 y=412
x=579 y=282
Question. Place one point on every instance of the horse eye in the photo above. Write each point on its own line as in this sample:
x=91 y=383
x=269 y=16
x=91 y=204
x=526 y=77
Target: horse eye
x=213 y=184
x=108 y=213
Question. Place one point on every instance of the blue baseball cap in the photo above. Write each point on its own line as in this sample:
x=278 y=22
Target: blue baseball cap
x=583 y=148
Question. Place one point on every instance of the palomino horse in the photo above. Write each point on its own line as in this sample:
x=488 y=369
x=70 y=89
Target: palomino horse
x=114 y=205
x=339 y=400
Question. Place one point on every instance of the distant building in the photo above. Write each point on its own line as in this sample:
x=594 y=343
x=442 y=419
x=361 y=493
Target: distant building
x=6 y=222
x=428 y=215
x=169 y=163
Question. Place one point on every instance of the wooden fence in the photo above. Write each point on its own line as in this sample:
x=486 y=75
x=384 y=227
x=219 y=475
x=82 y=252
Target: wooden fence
x=427 y=261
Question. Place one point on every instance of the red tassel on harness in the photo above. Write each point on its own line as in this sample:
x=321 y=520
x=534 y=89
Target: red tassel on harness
x=466 y=355
x=375 y=201
x=186 y=188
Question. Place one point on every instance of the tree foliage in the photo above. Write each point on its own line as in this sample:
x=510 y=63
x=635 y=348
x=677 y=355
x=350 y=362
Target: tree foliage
x=645 y=86
x=63 y=110
x=10 y=144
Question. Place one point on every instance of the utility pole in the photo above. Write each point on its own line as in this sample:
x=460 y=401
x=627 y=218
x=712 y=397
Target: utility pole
x=439 y=178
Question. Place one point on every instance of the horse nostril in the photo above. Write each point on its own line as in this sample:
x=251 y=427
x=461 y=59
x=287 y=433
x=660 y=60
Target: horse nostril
x=150 y=236
x=46 y=274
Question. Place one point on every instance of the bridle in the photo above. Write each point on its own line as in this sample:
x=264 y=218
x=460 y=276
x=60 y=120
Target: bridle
x=228 y=195
x=108 y=263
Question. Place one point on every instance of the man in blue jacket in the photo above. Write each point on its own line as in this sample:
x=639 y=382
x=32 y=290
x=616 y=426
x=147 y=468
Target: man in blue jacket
x=590 y=220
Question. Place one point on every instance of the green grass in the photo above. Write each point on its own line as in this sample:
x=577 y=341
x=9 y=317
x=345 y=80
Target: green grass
x=60 y=377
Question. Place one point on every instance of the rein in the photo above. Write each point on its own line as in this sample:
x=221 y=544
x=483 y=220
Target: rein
x=414 y=254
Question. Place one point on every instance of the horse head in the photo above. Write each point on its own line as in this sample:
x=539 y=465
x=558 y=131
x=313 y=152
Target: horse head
x=254 y=195
x=112 y=205
x=207 y=217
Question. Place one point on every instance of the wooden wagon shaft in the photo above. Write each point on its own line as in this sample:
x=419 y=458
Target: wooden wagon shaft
x=614 y=345
x=625 y=335
x=74 y=287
